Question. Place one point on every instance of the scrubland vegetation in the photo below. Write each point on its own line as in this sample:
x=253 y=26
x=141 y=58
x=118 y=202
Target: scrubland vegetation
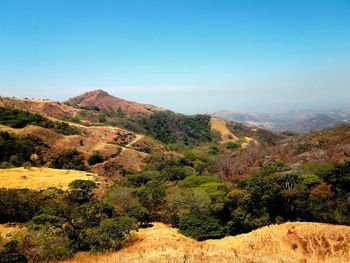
x=202 y=207
x=19 y=119
x=203 y=184
x=20 y=151
x=60 y=223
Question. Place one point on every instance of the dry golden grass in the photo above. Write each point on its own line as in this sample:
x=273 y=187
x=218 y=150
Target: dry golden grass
x=14 y=229
x=220 y=126
x=131 y=159
x=40 y=178
x=289 y=242
x=247 y=141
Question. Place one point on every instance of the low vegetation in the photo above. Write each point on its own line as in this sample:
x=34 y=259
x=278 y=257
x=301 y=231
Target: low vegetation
x=20 y=151
x=61 y=223
x=71 y=160
x=95 y=158
x=18 y=119
x=169 y=127
x=206 y=186
x=188 y=197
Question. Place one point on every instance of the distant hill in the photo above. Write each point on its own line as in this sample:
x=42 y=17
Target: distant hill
x=293 y=121
x=313 y=123
x=124 y=133
x=107 y=103
x=330 y=145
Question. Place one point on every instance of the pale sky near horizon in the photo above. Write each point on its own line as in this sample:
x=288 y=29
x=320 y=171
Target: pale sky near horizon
x=185 y=55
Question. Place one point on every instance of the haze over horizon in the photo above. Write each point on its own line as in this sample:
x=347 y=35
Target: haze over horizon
x=187 y=56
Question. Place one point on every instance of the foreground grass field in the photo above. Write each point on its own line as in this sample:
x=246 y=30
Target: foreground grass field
x=40 y=178
x=289 y=242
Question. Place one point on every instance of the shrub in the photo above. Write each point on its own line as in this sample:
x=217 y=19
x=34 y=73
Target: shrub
x=151 y=196
x=316 y=168
x=19 y=205
x=17 y=151
x=110 y=234
x=213 y=150
x=11 y=253
x=80 y=191
x=69 y=160
x=142 y=178
x=201 y=226
x=197 y=180
x=95 y=158
x=232 y=146
x=45 y=246
x=178 y=172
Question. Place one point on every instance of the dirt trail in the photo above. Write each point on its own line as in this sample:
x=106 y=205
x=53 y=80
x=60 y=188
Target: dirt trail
x=137 y=138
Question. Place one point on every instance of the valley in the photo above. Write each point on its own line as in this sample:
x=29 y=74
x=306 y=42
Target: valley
x=138 y=183
x=174 y=131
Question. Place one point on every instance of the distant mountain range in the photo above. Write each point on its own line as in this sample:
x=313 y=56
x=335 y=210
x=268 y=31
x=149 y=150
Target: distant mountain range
x=293 y=121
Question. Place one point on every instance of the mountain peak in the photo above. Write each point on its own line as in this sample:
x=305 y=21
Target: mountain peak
x=110 y=104
x=98 y=92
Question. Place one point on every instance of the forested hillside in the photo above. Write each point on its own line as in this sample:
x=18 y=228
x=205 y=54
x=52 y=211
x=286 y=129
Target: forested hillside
x=209 y=179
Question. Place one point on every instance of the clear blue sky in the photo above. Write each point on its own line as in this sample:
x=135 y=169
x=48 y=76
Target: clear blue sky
x=186 y=55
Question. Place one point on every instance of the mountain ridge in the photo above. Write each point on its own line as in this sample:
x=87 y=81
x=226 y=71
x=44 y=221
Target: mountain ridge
x=291 y=121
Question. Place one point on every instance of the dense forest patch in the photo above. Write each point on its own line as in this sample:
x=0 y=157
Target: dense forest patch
x=61 y=223
x=169 y=127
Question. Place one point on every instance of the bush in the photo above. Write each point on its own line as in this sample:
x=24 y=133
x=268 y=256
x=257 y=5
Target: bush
x=151 y=196
x=19 y=205
x=213 y=150
x=316 y=168
x=95 y=158
x=17 y=151
x=197 y=180
x=201 y=226
x=232 y=146
x=110 y=234
x=81 y=191
x=178 y=172
x=71 y=160
x=11 y=253
x=45 y=246
x=140 y=179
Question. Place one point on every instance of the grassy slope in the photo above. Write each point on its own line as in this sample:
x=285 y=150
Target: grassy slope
x=40 y=178
x=227 y=136
x=220 y=126
x=289 y=242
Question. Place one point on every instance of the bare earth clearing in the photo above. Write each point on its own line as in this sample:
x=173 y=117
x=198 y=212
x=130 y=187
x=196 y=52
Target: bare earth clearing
x=289 y=242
